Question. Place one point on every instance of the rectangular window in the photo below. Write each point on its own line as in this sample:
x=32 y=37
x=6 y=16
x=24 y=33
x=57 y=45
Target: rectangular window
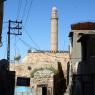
x=23 y=81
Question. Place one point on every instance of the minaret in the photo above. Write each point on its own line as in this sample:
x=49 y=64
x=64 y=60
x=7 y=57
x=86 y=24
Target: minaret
x=54 y=30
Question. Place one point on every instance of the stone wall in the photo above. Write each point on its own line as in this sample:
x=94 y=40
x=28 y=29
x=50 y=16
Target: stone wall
x=37 y=60
x=43 y=63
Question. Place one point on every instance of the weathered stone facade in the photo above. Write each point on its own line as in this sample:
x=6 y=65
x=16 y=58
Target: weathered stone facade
x=36 y=60
x=81 y=73
x=41 y=67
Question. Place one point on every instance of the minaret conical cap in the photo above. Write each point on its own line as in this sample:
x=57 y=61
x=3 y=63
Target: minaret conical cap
x=54 y=9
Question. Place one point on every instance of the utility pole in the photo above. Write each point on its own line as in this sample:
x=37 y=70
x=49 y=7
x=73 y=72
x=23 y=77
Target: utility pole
x=13 y=25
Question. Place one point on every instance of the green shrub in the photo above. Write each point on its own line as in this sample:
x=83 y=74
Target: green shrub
x=39 y=69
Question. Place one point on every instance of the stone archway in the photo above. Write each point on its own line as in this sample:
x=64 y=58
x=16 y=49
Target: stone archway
x=43 y=80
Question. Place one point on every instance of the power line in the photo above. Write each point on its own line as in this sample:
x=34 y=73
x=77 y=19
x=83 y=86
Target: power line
x=29 y=46
x=28 y=11
x=26 y=22
x=24 y=9
x=19 y=8
x=31 y=38
x=26 y=44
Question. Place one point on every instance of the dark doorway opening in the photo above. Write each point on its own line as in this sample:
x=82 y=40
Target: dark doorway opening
x=44 y=90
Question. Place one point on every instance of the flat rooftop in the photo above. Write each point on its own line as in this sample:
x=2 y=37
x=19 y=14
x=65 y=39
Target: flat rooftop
x=83 y=26
x=41 y=51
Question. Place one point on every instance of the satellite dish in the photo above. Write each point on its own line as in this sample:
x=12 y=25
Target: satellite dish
x=17 y=57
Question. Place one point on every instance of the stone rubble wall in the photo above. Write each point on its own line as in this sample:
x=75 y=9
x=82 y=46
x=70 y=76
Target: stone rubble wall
x=40 y=60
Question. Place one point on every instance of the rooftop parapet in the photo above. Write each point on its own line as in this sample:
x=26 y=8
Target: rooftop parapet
x=83 y=26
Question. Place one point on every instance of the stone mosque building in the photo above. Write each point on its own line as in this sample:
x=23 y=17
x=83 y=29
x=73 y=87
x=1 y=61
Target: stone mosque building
x=46 y=70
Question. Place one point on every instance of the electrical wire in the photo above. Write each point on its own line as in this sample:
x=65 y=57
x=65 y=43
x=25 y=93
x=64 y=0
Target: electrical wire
x=31 y=38
x=24 y=9
x=28 y=13
x=19 y=8
x=26 y=44
x=29 y=46
x=16 y=49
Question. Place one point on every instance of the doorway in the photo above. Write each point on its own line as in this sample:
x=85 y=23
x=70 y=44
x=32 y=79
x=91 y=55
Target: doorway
x=44 y=90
